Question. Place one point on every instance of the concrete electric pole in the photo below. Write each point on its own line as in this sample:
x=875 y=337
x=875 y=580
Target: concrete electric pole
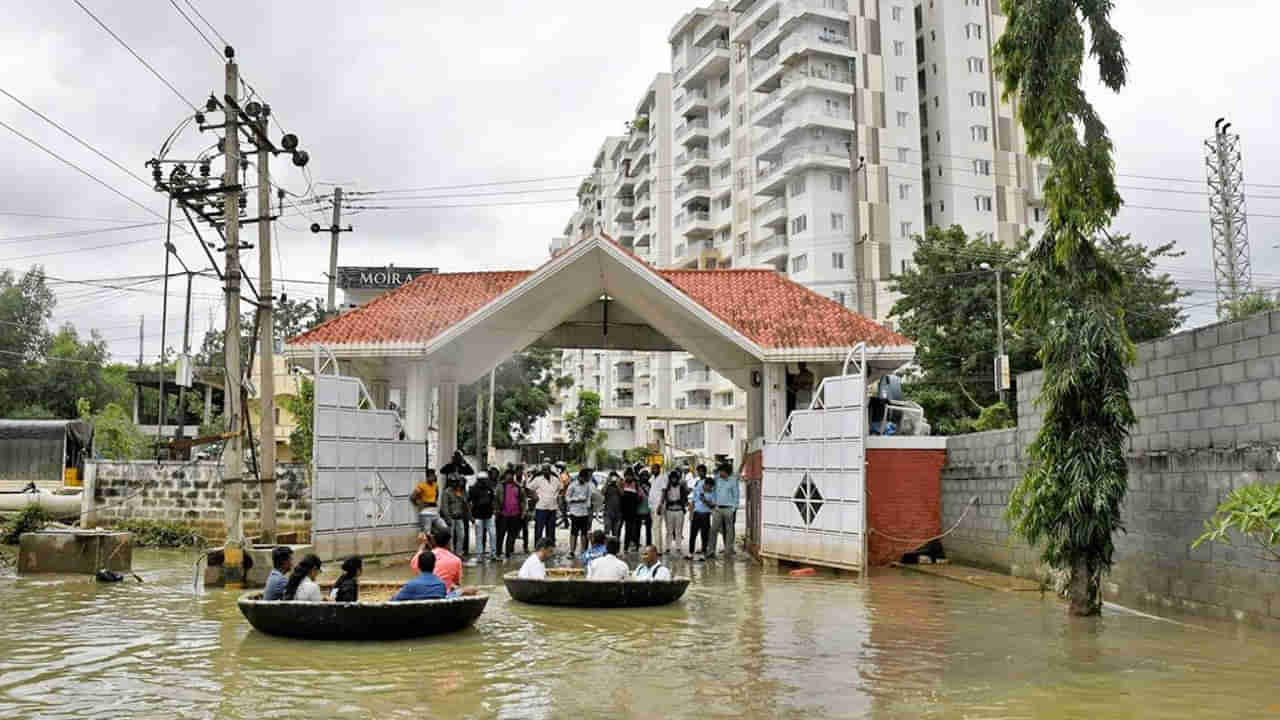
x=266 y=338
x=233 y=478
x=1228 y=224
x=334 y=231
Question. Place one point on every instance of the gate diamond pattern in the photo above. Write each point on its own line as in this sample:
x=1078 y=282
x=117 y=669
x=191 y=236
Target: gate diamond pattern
x=808 y=499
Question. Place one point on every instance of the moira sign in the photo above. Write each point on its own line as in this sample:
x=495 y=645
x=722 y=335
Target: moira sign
x=384 y=278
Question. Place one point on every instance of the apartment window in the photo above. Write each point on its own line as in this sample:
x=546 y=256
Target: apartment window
x=722 y=237
x=724 y=81
x=838 y=296
x=977 y=99
x=973 y=31
x=976 y=64
x=983 y=202
x=724 y=110
x=723 y=140
x=904 y=191
x=898 y=48
x=1035 y=214
x=981 y=167
x=896 y=13
x=797 y=187
x=903 y=118
x=900 y=83
x=742 y=244
x=979 y=133
x=837 y=258
x=933 y=36
x=904 y=229
x=837 y=221
x=680 y=403
x=799 y=263
x=837 y=182
x=902 y=154
x=799 y=224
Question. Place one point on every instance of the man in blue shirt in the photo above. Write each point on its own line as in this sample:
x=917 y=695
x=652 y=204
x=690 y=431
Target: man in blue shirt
x=282 y=563
x=598 y=548
x=426 y=586
x=724 y=514
x=703 y=502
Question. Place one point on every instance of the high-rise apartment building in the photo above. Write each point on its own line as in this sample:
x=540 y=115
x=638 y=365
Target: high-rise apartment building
x=741 y=157
x=976 y=171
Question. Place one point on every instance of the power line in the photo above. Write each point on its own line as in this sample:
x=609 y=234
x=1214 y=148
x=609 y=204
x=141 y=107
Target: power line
x=199 y=32
x=206 y=22
x=79 y=250
x=79 y=169
x=138 y=57
x=65 y=217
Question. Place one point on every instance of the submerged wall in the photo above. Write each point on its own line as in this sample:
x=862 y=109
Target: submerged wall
x=1208 y=409
x=191 y=493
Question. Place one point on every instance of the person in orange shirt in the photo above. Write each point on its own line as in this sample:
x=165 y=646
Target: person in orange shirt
x=448 y=566
x=425 y=498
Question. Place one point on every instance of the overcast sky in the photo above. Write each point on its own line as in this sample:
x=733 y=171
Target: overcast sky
x=417 y=95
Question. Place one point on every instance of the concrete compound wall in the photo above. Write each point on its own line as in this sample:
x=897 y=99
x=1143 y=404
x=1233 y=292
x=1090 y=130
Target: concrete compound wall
x=191 y=493
x=1208 y=409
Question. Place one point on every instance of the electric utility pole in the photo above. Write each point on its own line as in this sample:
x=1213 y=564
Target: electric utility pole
x=1228 y=223
x=334 y=230
x=266 y=338
x=855 y=167
x=233 y=479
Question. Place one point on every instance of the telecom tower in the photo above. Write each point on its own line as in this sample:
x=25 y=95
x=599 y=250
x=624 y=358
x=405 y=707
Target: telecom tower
x=1228 y=226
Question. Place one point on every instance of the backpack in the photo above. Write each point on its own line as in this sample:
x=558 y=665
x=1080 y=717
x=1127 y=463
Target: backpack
x=482 y=507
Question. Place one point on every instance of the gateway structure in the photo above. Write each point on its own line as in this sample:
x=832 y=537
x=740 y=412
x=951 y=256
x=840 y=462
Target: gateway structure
x=443 y=330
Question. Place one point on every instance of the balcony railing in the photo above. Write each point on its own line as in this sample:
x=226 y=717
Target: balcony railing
x=831 y=40
x=677 y=74
x=688 y=125
x=760 y=67
x=627 y=202
x=684 y=100
x=685 y=158
x=773 y=205
x=689 y=186
x=625 y=227
x=685 y=218
x=699 y=53
x=770 y=243
x=697 y=376
x=820 y=73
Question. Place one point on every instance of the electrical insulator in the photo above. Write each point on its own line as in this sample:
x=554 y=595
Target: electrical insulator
x=244 y=202
x=204 y=169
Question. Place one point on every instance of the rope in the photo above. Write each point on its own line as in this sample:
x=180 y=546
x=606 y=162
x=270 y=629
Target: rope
x=973 y=502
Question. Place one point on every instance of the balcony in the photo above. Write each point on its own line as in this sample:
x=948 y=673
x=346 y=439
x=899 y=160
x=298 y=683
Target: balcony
x=695 y=159
x=773 y=30
x=693 y=100
x=691 y=130
x=693 y=381
x=622 y=209
x=693 y=187
x=694 y=223
x=773 y=213
x=625 y=229
x=755 y=17
x=624 y=181
x=766 y=73
x=823 y=42
x=708 y=62
x=638 y=138
x=716 y=25
x=772 y=180
x=642 y=230
x=771 y=249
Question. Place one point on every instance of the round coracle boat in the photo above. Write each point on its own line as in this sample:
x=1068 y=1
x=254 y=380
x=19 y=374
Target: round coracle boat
x=374 y=617
x=570 y=587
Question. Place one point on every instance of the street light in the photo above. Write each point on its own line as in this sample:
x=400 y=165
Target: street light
x=1002 y=361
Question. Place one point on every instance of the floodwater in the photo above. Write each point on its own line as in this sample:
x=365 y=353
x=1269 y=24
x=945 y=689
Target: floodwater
x=743 y=642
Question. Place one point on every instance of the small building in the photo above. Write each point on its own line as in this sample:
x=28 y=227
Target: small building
x=42 y=452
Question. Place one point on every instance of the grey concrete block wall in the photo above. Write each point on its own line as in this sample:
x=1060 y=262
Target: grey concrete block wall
x=1207 y=403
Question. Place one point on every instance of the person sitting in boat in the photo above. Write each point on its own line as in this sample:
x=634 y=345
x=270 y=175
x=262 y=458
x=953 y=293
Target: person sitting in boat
x=448 y=565
x=347 y=589
x=609 y=568
x=426 y=586
x=598 y=548
x=650 y=568
x=302 y=585
x=278 y=580
x=535 y=567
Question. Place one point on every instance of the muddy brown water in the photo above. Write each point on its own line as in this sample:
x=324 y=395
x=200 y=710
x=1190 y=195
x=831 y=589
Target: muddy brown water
x=743 y=642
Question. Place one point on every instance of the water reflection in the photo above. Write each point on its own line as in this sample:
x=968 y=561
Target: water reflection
x=742 y=643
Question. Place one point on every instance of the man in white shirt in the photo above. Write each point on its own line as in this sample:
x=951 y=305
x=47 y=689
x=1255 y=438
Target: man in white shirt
x=649 y=567
x=657 y=484
x=609 y=567
x=547 y=489
x=535 y=567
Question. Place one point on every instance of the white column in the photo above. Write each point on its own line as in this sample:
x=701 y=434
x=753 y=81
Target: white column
x=417 y=400
x=774 y=400
x=641 y=431
x=448 y=419
x=755 y=404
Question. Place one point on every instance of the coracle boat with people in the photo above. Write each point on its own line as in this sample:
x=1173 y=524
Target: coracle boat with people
x=374 y=617
x=571 y=588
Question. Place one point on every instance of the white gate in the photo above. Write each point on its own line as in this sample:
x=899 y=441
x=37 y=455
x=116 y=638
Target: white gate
x=814 y=489
x=364 y=472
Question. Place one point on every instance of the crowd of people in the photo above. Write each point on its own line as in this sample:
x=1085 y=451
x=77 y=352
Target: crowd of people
x=499 y=506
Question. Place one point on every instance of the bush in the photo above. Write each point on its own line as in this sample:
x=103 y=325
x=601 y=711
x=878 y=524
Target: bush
x=995 y=417
x=159 y=533
x=31 y=519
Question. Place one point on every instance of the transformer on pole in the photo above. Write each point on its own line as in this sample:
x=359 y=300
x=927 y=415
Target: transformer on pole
x=1228 y=223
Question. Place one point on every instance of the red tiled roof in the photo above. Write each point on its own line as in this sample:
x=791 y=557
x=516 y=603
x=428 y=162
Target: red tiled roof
x=766 y=307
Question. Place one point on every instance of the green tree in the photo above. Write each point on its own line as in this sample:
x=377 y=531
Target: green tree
x=1069 y=501
x=26 y=304
x=1251 y=303
x=291 y=318
x=72 y=370
x=525 y=386
x=583 y=424
x=1248 y=519
x=303 y=408
x=114 y=434
x=948 y=305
